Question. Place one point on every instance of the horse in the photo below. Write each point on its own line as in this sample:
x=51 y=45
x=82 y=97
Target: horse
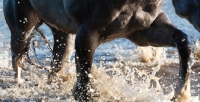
x=189 y=9
x=85 y=24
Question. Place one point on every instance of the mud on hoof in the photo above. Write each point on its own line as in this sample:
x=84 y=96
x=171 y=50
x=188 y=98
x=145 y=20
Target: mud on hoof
x=52 y=78
x=183 y=96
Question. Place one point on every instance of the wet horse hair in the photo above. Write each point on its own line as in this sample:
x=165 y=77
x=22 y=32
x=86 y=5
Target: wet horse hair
x=88 y=23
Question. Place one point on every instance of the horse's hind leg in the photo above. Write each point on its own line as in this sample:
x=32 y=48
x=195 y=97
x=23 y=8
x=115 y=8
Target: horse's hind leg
x=21 y=19
x=62 y=51
x=163 y=33
x=20 y=41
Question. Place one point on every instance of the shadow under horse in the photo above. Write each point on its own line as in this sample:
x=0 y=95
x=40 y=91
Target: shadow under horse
x=89 y=23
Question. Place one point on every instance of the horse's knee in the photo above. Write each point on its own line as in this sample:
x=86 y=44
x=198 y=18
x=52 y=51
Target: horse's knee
x=180 y=36
x=63 y=48
x=182 y=43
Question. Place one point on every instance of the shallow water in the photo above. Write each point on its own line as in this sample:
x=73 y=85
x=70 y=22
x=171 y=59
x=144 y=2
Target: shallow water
x=121 y=71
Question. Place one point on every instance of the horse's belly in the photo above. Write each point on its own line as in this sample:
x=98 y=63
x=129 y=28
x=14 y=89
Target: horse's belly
x=60 y=23
x=54 y=15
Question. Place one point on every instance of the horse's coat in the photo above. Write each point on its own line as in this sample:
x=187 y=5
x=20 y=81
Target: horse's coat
x=94 y=22
x=189 y=9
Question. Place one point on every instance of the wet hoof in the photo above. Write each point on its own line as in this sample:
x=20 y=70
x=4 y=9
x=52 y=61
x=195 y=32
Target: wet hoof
x=82 y=92
x=181 y=97
x=183 y=94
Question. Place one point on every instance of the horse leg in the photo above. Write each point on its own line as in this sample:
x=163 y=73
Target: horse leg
x=85 y=44
x=163 y=33
x=21 y=20
x=62 y=51
x=20 y=42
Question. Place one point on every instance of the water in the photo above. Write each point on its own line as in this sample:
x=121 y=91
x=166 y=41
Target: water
x=121 y=70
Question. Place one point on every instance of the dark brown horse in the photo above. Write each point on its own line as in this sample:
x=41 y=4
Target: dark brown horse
x=94 y=22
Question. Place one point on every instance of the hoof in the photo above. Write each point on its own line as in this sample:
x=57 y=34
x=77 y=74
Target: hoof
x=81 y=92
x=182 y=97
x=182 y=94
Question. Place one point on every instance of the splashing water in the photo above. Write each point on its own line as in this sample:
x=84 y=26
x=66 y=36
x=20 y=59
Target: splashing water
x=141 y=75
x=124 y=81
x=118 y=83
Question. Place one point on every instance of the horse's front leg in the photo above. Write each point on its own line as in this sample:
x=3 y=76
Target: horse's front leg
x=85 y=44
x=182 y=91
x=62 y=51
